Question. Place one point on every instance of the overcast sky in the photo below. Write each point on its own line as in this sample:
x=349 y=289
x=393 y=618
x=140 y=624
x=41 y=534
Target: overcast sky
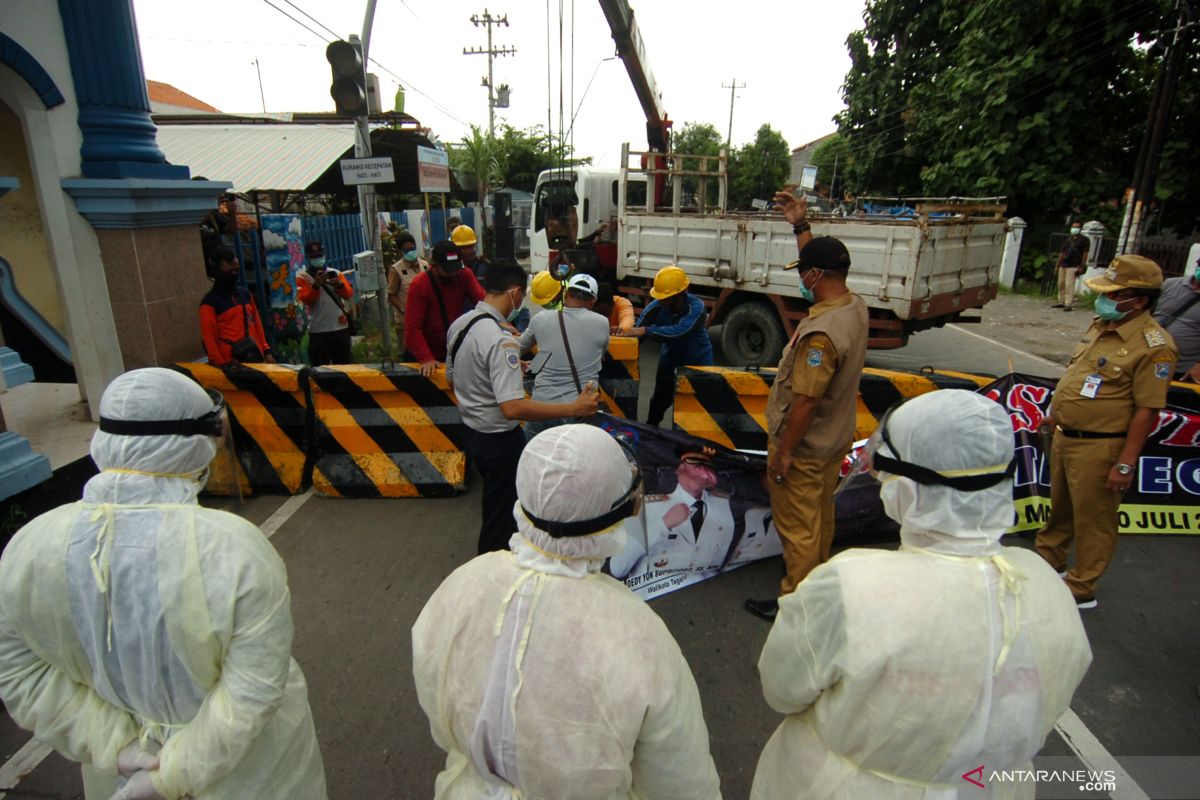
x=791 y=56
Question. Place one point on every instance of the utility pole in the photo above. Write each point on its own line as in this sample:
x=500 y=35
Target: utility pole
x=366 y=192
x=732 y=86
x=1145 y=175
x=487 y=20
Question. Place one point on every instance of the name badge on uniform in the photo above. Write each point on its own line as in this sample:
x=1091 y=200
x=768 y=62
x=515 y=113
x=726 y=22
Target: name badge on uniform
x=1091 y=385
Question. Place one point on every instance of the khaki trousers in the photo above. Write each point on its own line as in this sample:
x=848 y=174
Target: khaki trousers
x=1066 y=286
x=1082 y=510
x=802 y=507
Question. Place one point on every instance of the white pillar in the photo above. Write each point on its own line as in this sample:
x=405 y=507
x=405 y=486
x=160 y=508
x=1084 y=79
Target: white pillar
x=1012 y=252
x=1094 y=231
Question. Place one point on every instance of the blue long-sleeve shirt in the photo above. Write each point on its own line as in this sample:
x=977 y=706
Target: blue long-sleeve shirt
x=684 y=335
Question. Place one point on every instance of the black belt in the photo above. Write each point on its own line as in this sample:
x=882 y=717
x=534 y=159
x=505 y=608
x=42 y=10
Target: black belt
x=1089 y=434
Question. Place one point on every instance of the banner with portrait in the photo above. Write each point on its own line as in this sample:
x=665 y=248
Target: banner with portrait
x=707 y=510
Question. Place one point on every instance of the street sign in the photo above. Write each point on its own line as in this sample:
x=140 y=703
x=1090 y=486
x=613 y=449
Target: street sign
x=433 y=169
x=367 y=170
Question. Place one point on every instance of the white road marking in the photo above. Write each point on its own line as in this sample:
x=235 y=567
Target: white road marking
x=1095 y=758
x=23 y=762
x=1010 y=348
x=284 y=513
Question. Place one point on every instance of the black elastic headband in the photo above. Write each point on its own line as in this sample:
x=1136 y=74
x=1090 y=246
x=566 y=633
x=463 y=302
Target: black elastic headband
x=625 y=507
x=926 y=476
x=209 y=424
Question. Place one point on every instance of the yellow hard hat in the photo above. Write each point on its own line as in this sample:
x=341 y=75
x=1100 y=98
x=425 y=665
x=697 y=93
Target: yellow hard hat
x=545 y=288
x=463 y=236
x=669 y=281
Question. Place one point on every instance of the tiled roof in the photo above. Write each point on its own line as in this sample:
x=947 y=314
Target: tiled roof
x=168 y=95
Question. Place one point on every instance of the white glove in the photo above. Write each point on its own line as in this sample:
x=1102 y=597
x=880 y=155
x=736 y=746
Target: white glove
x=133 y=758
x=138 y=787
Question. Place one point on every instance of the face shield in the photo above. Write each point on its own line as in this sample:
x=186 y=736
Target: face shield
x=878 y=454
x=212 y=424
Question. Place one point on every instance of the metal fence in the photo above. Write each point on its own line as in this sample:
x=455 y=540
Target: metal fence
x=1171 y=257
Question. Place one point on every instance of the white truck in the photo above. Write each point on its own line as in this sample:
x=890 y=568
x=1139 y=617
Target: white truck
x=915 y=271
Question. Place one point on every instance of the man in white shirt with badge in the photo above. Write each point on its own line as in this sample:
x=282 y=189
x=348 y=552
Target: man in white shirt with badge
x=571 y=344
x=484 y=368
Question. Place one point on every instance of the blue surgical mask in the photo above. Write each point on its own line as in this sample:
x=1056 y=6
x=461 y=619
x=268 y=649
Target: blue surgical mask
x=516 y=310
x=317 y=262
x=1107 y=309
x=806 y=292
x=410 y=256
x=1074 y=231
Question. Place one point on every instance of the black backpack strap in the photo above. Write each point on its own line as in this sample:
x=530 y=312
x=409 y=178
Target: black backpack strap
x=1169 y=319
x=462 y=335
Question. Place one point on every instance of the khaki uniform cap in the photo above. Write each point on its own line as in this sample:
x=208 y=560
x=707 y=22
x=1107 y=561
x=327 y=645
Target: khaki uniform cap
x=1127 y=272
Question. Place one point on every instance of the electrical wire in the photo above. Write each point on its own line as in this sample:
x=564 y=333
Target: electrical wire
x=370 y=59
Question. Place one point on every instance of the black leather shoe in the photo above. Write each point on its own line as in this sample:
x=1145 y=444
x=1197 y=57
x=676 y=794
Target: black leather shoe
x=767 y=609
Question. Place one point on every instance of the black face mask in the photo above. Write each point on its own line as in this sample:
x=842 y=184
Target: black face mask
x=226 y=280
x=211 y=424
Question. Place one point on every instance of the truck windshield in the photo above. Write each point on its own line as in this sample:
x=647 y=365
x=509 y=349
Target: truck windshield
x=554 y=199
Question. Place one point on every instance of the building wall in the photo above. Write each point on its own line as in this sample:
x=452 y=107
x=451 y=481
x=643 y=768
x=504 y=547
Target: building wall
x=22 y=238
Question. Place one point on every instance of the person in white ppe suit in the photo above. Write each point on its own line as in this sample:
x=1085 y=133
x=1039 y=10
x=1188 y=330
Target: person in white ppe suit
x=542 y=677
x=142 y=633
x=903 y=671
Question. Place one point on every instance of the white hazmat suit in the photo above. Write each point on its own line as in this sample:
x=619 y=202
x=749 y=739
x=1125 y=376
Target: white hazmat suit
x=901 y=671
x=137 y=615
x=542 y=677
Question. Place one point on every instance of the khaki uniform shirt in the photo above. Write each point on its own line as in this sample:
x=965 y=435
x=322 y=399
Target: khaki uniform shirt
x=823 y=360
x=400 y=275
x=1114 y=373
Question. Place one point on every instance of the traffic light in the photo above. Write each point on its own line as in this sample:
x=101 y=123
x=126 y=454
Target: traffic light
x=349 y=88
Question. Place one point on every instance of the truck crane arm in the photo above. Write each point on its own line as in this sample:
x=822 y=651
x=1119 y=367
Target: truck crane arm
x=632 y=50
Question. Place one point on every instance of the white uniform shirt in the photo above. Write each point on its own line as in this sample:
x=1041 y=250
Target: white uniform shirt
x=679 y=548
x=486 y=371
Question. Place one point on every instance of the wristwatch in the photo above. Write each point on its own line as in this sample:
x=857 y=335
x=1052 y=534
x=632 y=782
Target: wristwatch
x=1124 y=469
x=801 y=227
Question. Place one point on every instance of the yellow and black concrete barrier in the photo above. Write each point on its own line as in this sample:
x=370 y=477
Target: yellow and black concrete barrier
x=269 y=419
x=729 y=405
x=385 y=432
x=619 y=377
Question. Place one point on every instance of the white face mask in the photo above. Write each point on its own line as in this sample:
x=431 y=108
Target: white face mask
x=1075 y=231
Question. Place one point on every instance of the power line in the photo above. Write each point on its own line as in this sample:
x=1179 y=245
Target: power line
x=298 y=22
x=370 y=59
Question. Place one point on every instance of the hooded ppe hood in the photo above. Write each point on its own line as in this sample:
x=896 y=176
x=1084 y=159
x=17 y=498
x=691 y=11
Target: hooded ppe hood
x=566 y=474
x=956 y=433
x=138 y=470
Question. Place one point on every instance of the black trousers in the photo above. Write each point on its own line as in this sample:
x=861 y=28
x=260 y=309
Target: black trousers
x=664 y=393
x=495 y=456
x=331 y=347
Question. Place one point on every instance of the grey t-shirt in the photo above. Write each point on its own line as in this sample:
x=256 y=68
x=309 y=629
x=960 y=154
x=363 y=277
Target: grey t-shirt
x=1185 y=328
x=587 y=333
x=486 y=371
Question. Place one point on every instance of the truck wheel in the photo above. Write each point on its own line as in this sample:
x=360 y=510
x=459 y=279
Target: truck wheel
x=751 y=334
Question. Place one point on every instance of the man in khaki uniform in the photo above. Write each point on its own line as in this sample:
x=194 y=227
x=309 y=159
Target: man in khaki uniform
x=1104 y=408
x=811 y=409
x=400 y=275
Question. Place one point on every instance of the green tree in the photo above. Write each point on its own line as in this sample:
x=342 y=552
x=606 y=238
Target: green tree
x=523 y=154
x=700 y=139
x=477 y=156
x=1041 y=101
x=759 y=169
